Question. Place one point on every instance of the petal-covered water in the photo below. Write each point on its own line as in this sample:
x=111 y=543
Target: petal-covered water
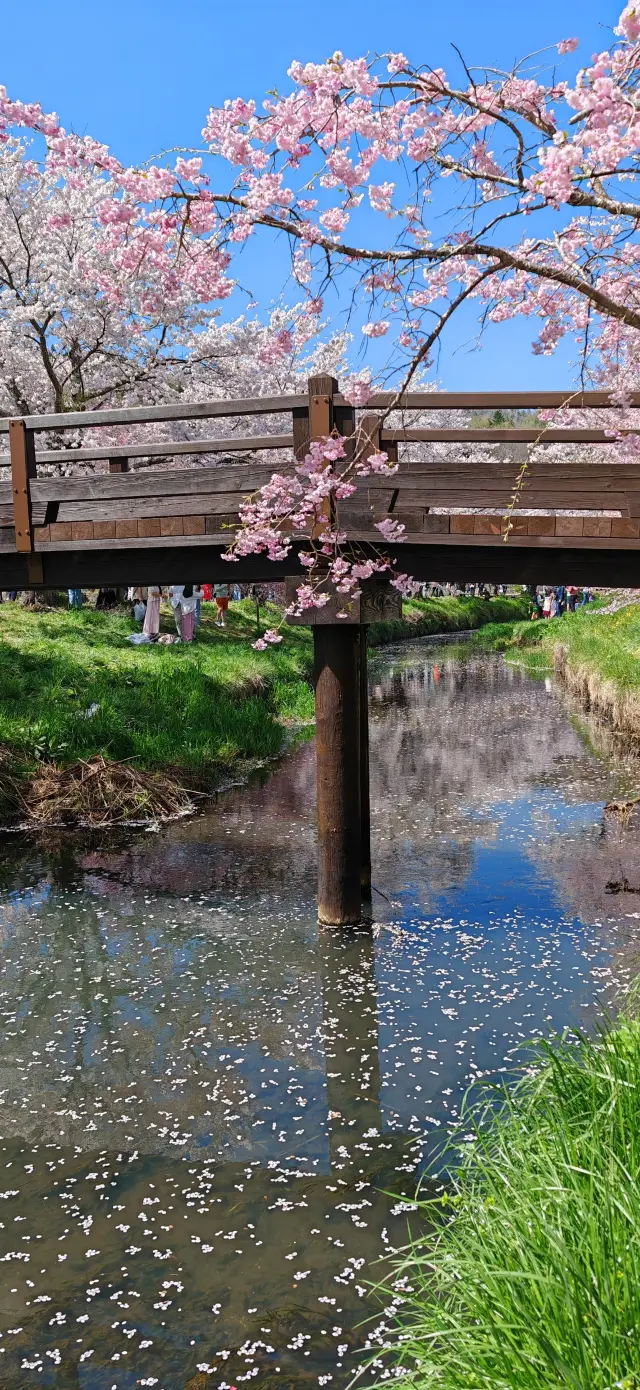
x=205 y=1101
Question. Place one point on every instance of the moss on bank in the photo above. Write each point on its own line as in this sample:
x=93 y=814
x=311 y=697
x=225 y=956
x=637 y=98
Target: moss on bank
x=73 y=688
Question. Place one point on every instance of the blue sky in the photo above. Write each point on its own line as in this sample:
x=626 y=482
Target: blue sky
x=141 y=75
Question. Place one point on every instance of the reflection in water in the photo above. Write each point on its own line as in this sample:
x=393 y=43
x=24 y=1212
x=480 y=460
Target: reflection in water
x=204 y=1100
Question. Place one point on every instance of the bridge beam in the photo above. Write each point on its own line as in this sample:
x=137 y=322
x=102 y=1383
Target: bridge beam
x=337 y=691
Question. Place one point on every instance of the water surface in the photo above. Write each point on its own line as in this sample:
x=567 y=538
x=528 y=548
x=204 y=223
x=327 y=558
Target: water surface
x=204 y=1099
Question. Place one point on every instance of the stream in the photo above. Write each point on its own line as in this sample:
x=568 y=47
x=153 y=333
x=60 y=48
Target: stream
x=205 y=1101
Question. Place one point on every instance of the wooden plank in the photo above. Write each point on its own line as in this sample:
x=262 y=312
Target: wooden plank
x=103 y=530
x=147 y=414
x=152 y=483
x=149 y=526
x=81 y=530
x=494 y=400
x=487 y=526
x=115 y=508
x=276 y=405
x=125 y=529
x=162 y=449
x=541 y=526
x=488 y=436
x=596 y=526
x=456 y=537
x=493 y=497
x=220 y=539
x=301 y=434
x=575 y=477
x=570 y=526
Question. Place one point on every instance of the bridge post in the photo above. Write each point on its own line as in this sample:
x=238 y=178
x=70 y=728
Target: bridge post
x=337 y=689
x=365 y=798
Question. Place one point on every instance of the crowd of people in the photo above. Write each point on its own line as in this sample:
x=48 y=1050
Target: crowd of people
x=547 y=602
x=436 y=590
x=186 y=601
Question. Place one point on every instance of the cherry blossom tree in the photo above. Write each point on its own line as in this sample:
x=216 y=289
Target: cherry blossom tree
x=99 y=305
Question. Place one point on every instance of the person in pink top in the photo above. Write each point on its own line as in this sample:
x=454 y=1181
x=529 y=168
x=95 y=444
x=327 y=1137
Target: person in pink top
x=151 y=625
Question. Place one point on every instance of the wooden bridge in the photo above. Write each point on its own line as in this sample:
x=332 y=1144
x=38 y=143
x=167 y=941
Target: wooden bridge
x=574 y=521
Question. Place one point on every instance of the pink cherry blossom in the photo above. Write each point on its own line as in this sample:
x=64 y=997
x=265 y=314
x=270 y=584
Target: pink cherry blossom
x=377 y=329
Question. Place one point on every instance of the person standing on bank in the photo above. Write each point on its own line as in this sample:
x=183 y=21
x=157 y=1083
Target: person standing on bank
x=221 y=592
x=188 y=610
x=175 y=595
x=151 y=625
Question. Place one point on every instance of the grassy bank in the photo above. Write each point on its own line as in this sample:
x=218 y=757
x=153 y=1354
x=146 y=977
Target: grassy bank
x=597 y=658
x=72 y=685
x=428 y=617
x=73 y=688
x=530 y=1279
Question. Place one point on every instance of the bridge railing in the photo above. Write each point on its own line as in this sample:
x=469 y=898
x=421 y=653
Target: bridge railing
x=443 y=499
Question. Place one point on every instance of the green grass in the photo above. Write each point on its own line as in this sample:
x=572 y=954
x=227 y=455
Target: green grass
x=607 y=646
x=530 y=1277
x=200 y=709
x=427 y=617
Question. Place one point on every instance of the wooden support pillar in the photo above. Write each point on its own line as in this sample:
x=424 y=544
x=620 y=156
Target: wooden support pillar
x=337 y=688
x=365 y=798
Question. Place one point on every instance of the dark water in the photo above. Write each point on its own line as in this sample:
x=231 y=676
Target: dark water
x=204 y=1100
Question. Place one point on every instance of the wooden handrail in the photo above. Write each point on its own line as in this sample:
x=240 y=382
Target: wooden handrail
x=279 y=405
x=165 y=449
x=497 y=436
x=496 y=400
x=147 y=414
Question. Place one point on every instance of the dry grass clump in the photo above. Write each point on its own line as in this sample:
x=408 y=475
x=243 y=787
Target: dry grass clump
x=98 y=792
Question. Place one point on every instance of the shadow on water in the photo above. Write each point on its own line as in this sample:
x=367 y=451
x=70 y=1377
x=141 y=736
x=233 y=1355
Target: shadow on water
x=204 y=1100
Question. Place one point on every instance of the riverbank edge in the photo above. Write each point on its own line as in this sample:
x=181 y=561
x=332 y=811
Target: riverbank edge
x=266 y=700
x=511 y=1289
x=595 y=657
